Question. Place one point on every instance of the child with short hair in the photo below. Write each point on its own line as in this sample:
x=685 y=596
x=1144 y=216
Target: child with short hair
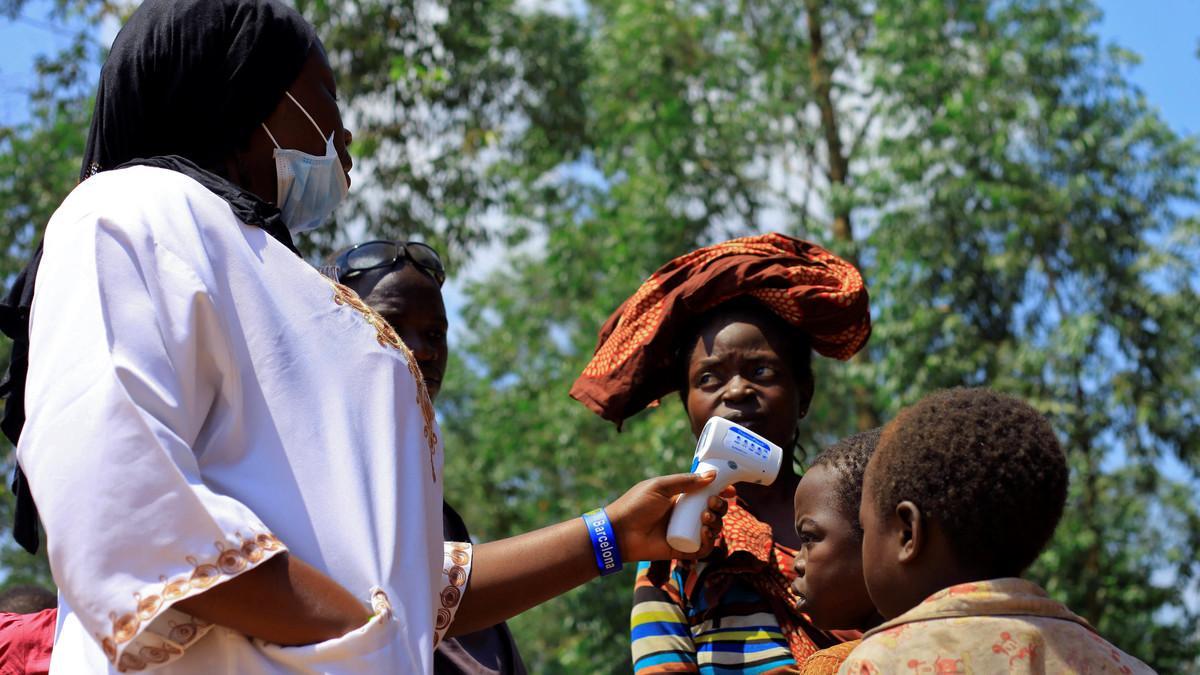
x=961 y=496
x=829 y=577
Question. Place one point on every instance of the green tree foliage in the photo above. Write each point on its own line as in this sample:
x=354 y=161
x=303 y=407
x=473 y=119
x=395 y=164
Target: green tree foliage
x=438 y=96
x=1023 y=218
x=1033 y=207
x=39 y=164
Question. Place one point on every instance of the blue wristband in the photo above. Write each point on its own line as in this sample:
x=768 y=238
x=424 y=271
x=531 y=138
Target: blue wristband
x=604 y=541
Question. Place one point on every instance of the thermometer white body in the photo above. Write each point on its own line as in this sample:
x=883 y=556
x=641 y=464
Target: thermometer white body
x=738 y=455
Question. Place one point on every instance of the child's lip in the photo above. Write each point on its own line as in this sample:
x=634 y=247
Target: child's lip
x=799 y=591
x=801 y=601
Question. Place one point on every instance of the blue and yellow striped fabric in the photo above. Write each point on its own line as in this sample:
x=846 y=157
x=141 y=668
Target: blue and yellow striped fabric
x=733 y=612
x=673 y=634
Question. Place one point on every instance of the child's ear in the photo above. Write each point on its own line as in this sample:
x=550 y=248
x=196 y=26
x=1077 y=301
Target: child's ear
x=911 y=531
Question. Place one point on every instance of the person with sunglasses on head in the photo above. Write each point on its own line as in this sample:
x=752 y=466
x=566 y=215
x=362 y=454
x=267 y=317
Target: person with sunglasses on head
x=403 y=282
x=218 y=494
x=382 y=254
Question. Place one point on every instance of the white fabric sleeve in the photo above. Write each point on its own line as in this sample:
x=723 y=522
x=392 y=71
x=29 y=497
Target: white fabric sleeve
x=128 y=357
x=457 y=558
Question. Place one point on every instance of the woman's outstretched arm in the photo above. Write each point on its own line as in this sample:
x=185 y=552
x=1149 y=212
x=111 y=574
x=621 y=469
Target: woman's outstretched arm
x=512 y=575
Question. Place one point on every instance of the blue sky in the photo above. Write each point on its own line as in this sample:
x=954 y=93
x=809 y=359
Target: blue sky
x=1166 y=33
x=21 y=40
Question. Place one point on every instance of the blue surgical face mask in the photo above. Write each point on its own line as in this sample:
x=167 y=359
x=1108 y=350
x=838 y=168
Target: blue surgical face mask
x=309 y=188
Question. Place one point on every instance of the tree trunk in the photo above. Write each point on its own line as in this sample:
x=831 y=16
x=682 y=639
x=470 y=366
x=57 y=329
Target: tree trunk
x=1080 y=437
x=866 y=416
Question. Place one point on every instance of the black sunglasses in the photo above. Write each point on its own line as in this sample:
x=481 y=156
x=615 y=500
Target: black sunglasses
x=374 y=254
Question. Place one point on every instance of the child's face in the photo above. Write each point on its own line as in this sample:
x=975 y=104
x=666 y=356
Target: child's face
x=829 y=567
x=738 y=370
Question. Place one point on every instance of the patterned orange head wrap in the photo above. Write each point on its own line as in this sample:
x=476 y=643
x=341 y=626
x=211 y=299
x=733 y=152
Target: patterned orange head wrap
x=804 y=284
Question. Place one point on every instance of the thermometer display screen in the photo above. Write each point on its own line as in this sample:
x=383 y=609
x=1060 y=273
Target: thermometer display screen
x=741 y=442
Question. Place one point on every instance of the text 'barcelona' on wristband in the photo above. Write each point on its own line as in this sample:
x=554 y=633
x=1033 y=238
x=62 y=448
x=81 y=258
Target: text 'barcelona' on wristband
x=604 y=541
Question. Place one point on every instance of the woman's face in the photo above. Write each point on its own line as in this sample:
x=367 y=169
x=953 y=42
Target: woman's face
x=829 y=573
x=739 y=368
x=314 y=89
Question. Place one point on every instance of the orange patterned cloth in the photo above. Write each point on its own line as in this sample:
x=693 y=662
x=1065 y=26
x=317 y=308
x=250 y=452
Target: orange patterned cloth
x=827 y=661
x=804 y=284
x=751 y=553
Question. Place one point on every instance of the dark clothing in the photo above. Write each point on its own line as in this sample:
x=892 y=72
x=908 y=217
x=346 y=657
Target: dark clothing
x=184 y=85
x=486 y=652
x=806 y=286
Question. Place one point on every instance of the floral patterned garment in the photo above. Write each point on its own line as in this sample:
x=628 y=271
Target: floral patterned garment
x=997 y=626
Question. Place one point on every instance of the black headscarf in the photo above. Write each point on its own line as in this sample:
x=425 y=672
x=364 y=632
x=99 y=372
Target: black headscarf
x=185 y=84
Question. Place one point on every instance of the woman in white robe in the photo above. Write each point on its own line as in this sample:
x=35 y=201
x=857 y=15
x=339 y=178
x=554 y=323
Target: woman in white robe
x=235 y=460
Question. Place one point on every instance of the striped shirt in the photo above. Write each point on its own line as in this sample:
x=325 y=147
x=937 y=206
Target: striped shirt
x=733 y=612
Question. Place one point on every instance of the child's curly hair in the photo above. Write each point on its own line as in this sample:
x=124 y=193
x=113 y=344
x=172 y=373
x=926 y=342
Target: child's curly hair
x=986 y=466
x=848 y=459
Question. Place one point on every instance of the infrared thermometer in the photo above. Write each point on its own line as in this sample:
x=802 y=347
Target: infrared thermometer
x=738 y=455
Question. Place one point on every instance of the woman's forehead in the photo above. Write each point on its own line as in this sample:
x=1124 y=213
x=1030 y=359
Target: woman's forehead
x=740 y=333
x=752 y=314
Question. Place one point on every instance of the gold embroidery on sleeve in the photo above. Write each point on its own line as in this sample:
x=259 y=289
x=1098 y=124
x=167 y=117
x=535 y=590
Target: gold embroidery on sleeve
x=456 y=563
x=129 y=661
x=228 y=562
x=380 y=604
x=148 y=606
x=184 y=633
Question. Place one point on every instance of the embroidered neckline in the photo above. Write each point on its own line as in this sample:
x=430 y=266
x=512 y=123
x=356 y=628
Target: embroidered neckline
x=387 y=337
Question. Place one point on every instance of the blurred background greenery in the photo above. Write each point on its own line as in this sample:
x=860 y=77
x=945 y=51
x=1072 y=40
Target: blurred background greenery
x=1024 y=216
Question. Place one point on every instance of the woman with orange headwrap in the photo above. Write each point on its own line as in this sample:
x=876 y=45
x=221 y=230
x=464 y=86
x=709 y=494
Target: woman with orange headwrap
x=731 y=328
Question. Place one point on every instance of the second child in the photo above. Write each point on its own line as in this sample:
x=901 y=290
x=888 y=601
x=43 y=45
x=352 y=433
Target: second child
x=829 y=577
x=961 y=496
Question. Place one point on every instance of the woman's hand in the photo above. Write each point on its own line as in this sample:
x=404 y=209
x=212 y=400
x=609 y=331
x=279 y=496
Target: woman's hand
x=640 y=516
x=284 y=600
x=511 y=575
